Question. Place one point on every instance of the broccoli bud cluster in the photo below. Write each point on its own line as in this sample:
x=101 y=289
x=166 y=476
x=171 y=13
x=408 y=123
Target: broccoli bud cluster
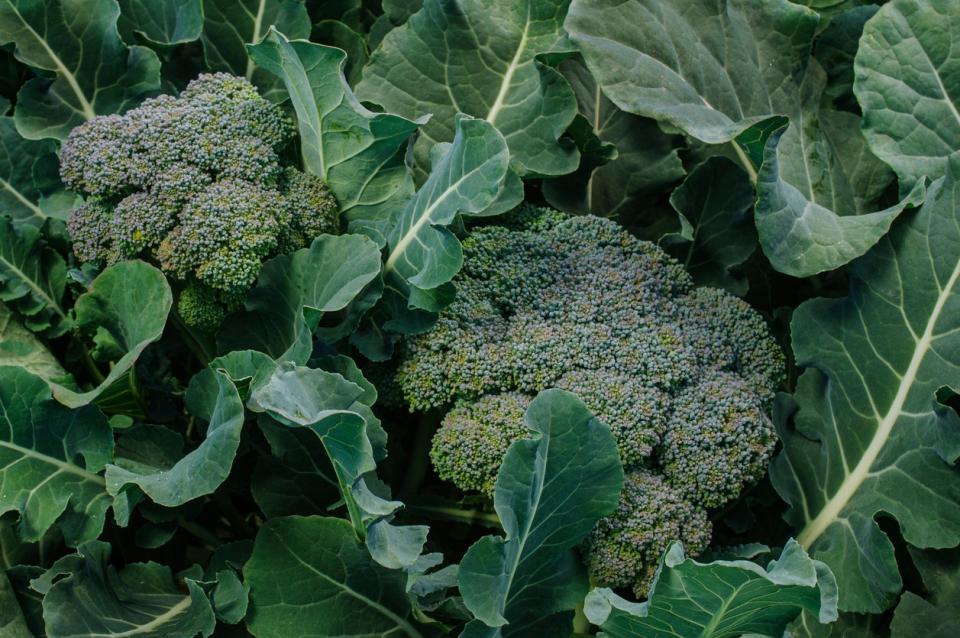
x=197 y=184
x=683 y=376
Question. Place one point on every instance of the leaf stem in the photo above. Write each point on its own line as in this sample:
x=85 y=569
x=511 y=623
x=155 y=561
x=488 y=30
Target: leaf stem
x=459 y=515
x=746 y=162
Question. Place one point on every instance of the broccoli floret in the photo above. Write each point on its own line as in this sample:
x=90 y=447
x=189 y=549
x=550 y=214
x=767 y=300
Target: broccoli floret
x=197 y=184
x=473 y=439
x=623 y=548
x=718 y=439
x=683 y=376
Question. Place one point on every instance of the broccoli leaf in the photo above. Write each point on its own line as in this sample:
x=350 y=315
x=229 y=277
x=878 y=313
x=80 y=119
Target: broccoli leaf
x=162 y=21
x=467 y=176
x=51 y=458
x=141 y=600
x=32 y=278
x=294 y=291
x=870 y=436
x=230 y=25
x=645 y=164
x=717 y=235
x=19 y=347
x=94 y=72
x=331 y=406
x=908 y=85
x=199 y=472
x=936 y=615
x=549 y=495
x=817 y=188
x=12 y=622
x=722 y=599
x=126 y=308
x=312 y=572
x=489 y=60
x=353 y=149
x=29 y=177
x=712 y=69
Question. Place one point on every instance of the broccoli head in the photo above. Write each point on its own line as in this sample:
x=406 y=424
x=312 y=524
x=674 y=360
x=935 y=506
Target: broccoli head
x=198 y=185
x=683 y=376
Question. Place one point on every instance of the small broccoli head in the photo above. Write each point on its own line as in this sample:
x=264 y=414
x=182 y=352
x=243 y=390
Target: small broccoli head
x=473 y=439
x=718 y=440
x=205 y=308
x=196 y=184
x=623 y=548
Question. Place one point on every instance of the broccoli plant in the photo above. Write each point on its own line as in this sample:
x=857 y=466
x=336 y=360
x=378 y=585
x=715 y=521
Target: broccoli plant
x=199 y=185
x=683 y=376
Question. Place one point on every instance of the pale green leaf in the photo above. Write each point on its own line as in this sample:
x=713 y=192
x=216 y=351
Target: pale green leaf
x=711 y=69
x=94 y=599
x=469 y=175
x=50 y=460
x=126 y=310
x=310 y=572
x=230 y=25
x=332 y=407
x=908 y=84
x=92 y=71
x=295 y=291
x=549 y=495
x=201 y=471
x=870 y=436
x=818 y=186
x=356 y=151
x=722 y=599
x=486 y=59
x=20 y=347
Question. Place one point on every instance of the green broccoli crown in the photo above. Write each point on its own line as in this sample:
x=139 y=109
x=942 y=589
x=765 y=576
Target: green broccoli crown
x=683 y=376
x=623 y=548
x=195 y=183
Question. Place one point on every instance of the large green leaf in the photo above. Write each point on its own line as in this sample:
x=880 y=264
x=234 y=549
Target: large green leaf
x=93 y=71
x=29 y=177
x=870 y=436
x=125 y=310
x=934 y=616
x=908 y=84
x=549 y=495
x=50 y=460
x=162 y=21
x=294 y=291
x=198 y=473
x=32 y=278
x=717 y=232
x=467 y=176
x=487 y=59
x=309 y=574
x=353 y=149
x=20 y=347
x=230 y=25
x=646 y=163
x=722 y=599
x=817 y=188
x=332 y=407
x=94 y=599
x=712 y=69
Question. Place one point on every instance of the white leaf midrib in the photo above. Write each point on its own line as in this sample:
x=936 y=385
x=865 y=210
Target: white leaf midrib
x=851 y=483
